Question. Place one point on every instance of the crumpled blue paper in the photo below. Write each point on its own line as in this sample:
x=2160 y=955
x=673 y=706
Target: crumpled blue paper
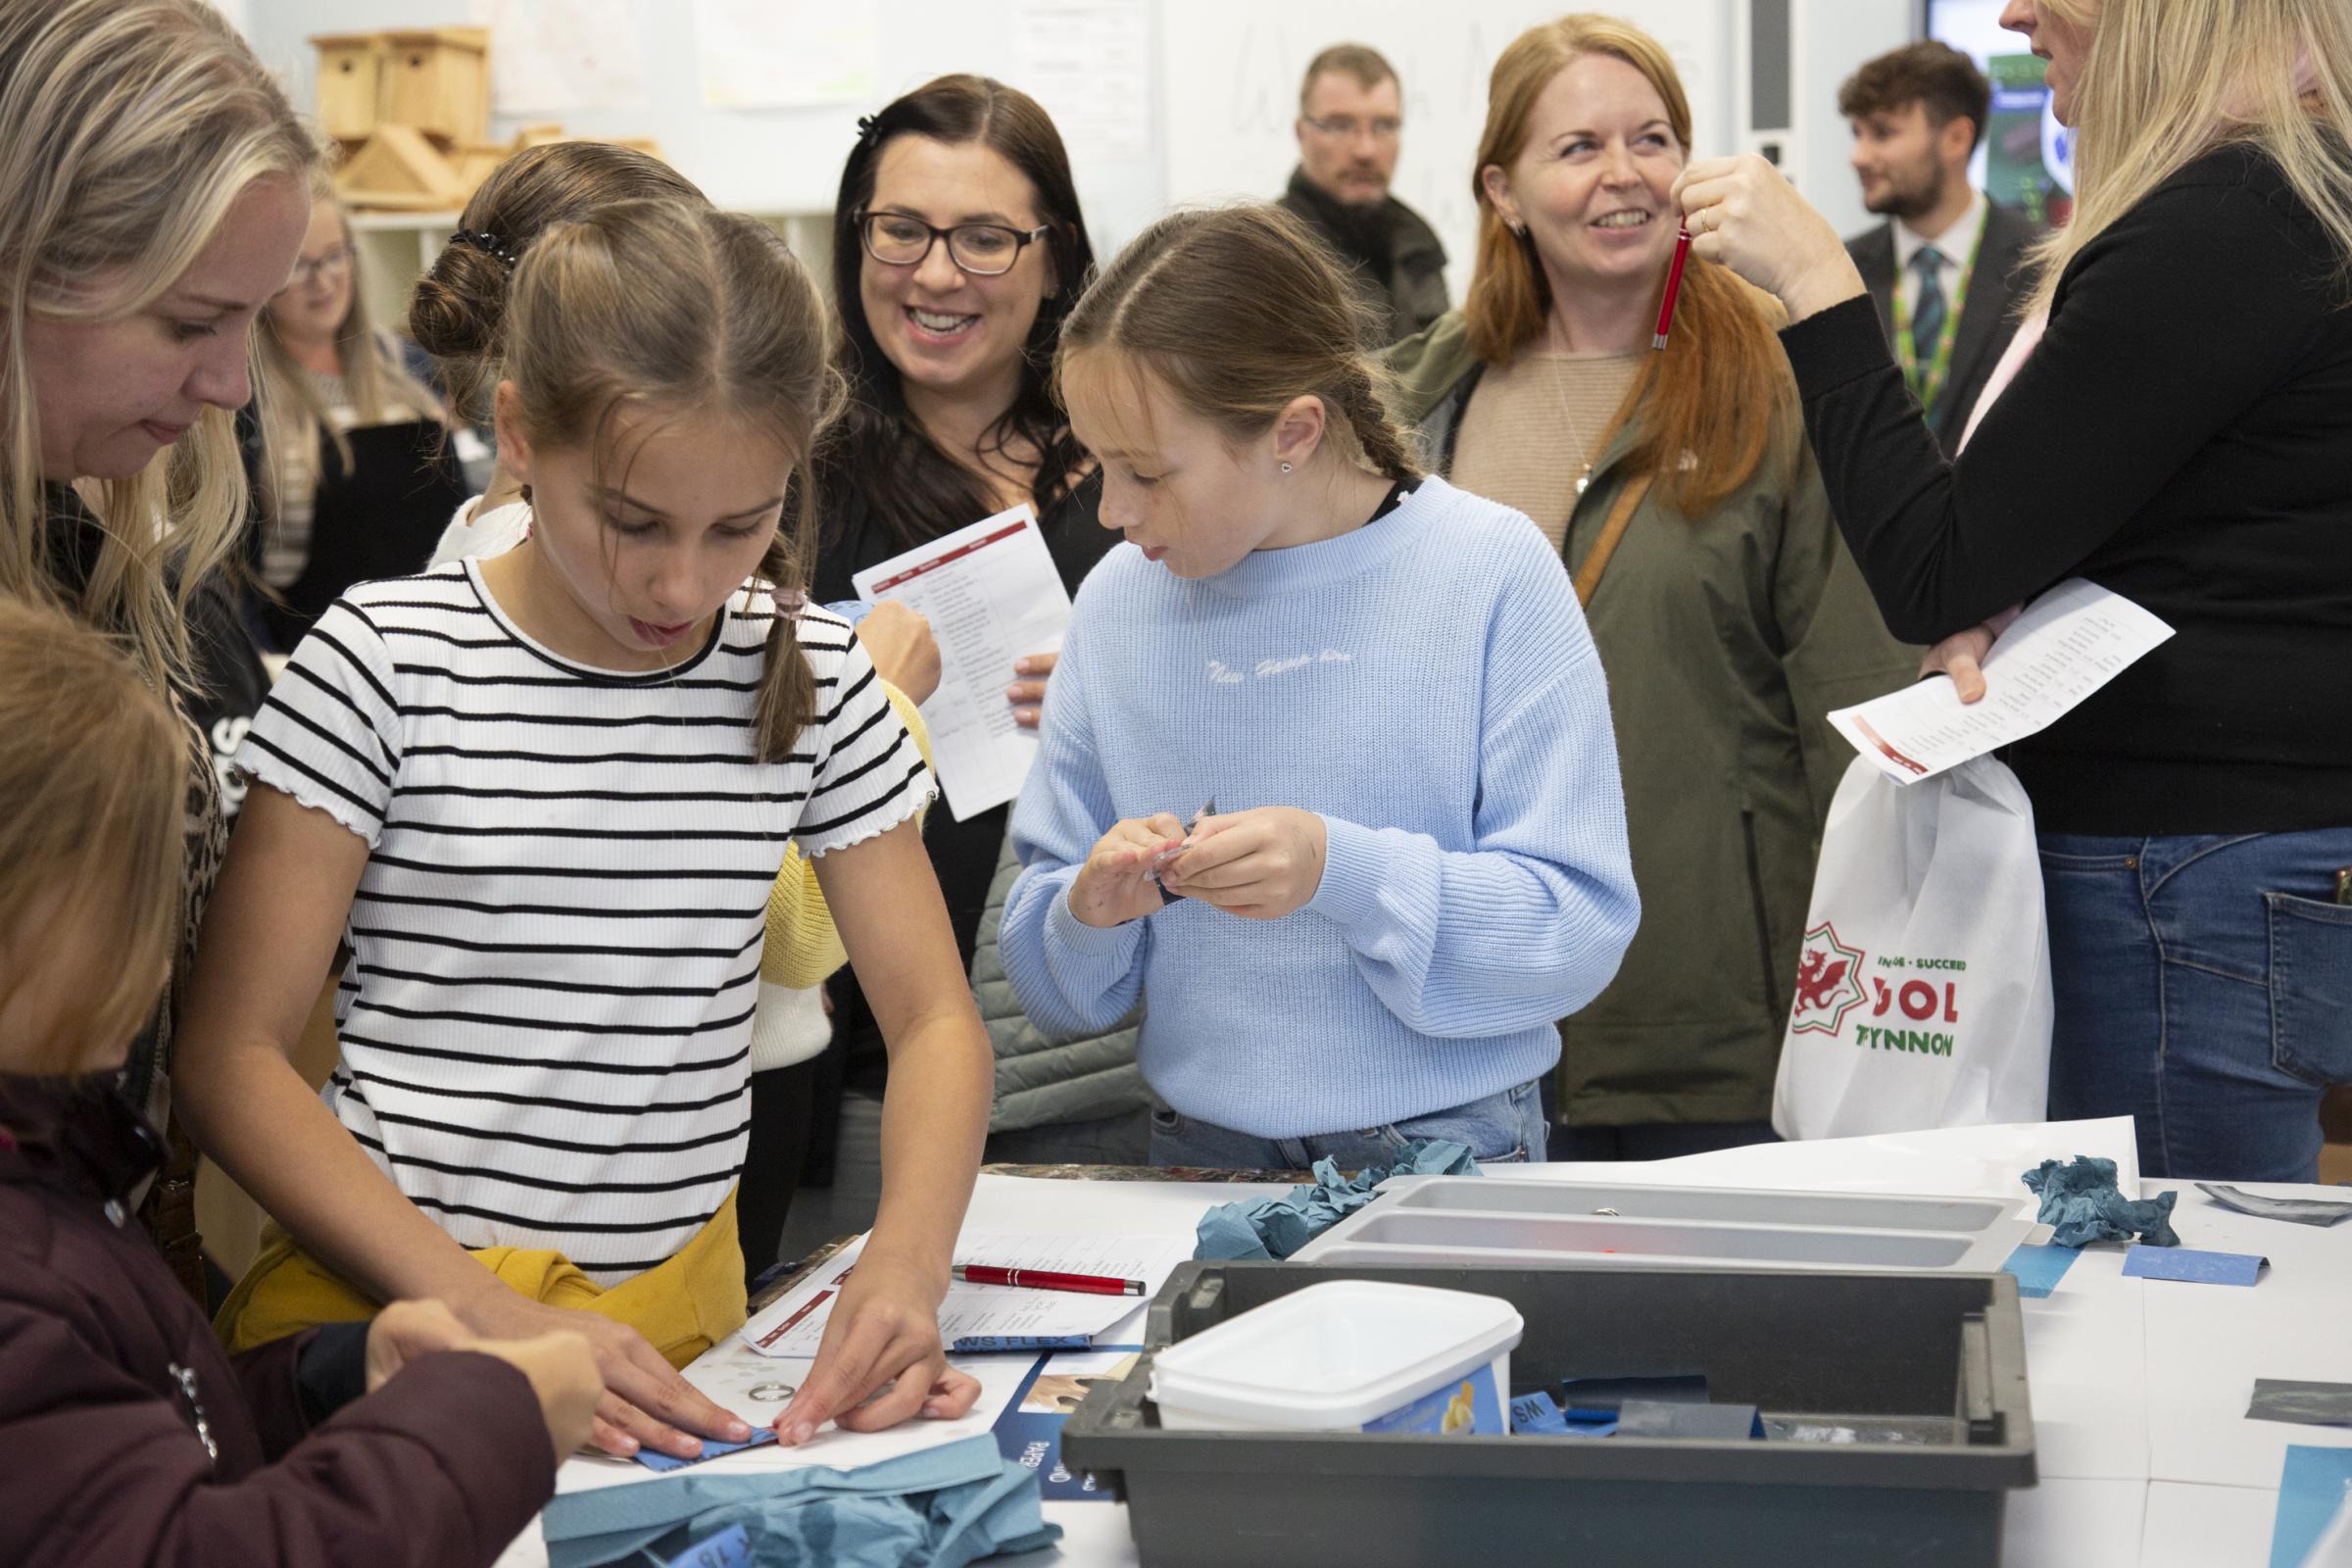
x=2080 y=1198
x=940 y=1508
x=1271 y=1229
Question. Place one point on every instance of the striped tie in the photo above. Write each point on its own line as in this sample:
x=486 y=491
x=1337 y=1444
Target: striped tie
x=1926 y=316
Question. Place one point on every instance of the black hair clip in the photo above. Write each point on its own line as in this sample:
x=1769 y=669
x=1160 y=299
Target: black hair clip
x=489 y=244
x=869 y=128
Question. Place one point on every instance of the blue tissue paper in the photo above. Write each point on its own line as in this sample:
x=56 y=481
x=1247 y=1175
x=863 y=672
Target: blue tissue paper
x=2081 y=1199
x=1271 y=1229
x=942 y=1507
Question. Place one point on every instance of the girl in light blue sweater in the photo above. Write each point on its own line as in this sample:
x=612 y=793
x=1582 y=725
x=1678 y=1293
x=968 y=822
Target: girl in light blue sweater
x=1415 y=861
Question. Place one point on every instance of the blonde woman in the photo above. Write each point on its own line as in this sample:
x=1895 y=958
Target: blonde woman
x=1729 y=616
x=2182 y=435
x=154 y=188
x=355 y=475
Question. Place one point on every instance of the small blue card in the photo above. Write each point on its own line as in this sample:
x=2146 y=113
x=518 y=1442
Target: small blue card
x=731 y=1547
x=712 y=1449
x=2311 y=1488
x=2191 y=1265
x=2038 y=1269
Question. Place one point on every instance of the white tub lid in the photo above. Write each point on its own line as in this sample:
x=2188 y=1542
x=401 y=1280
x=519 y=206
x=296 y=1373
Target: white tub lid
x=1339 y=1353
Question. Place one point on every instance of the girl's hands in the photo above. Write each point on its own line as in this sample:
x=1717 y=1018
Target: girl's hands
x=561 y=1366
x=644 y=1400
x=1028 y=694
x=1261 y=864
x=904 y=652
x=1743 y=213
x=1115 y=884
x=880 y=1361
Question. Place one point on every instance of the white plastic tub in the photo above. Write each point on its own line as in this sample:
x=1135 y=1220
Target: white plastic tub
x=1350 y=1355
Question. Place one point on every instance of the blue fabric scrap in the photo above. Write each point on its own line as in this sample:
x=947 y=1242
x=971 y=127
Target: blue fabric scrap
x=942 y=1507
x=1271 y=1229
x=731 y=1547
x=2081 y=1199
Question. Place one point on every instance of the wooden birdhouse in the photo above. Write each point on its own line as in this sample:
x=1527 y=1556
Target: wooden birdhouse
x=398 y=170
x=438 y=82
x=350 y=78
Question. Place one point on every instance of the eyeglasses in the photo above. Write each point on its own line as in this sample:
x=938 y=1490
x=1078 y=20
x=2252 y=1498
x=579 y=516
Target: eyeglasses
x=985 y=249
x=334 y=264
x=1346 y=127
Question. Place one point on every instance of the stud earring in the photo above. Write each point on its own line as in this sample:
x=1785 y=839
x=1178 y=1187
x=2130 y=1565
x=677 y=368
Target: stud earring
x=1285 y=467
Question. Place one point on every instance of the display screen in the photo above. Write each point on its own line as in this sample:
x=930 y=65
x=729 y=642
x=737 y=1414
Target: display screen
x=2027 y=158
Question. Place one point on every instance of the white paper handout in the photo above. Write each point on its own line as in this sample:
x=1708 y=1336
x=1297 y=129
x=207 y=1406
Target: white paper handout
x=737 y=1379
x=795 y=1324
x=2068 y=644
x=992 y=594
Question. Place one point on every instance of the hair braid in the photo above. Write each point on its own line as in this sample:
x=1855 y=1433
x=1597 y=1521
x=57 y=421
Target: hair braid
x=1385 y=444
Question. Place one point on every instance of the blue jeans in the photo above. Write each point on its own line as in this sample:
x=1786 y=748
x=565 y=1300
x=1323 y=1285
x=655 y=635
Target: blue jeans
x=2204 y=987
x=1501 y=1128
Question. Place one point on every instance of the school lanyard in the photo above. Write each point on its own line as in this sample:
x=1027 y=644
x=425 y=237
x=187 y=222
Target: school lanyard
x=1927 y=382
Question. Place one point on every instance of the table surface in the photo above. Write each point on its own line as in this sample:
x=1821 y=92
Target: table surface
x=2139 y=1386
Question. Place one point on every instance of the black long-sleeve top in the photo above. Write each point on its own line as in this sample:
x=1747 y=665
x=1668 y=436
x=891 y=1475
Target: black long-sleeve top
x=2181 y=436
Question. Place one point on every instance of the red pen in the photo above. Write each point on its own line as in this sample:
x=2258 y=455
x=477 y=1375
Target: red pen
x=1673 y=286
x=1039 y=1279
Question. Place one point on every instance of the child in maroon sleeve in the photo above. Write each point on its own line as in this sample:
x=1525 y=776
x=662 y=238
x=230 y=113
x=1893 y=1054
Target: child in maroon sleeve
x=130 y=1437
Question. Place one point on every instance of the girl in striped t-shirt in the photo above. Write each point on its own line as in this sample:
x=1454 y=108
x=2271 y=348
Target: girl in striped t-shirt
x=542 y=798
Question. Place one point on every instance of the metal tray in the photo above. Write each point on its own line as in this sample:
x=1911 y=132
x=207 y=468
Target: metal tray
x=1420 y=1220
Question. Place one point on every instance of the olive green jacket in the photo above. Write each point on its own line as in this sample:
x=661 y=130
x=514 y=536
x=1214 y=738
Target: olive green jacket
x=1727 y=639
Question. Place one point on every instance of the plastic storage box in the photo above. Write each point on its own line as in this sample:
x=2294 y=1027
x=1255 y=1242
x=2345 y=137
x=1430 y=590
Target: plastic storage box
x=1928 y=1370
x=1477 y=1222
x=1345 y=1355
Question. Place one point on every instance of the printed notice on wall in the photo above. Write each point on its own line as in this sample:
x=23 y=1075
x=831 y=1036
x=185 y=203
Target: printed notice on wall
x=2068 y=644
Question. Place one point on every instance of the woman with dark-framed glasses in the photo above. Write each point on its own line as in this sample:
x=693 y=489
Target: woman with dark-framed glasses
x=958 y=250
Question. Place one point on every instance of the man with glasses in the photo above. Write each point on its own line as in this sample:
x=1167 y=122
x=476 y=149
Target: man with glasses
x=1350 y=115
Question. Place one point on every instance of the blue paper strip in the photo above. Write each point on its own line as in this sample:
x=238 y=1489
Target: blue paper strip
x=2194 y=1267
x=2311 y=1488
x=2038 y=1269
x=712 y=1449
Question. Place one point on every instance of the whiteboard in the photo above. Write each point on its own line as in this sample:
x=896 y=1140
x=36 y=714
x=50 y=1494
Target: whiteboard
x=1229 y=88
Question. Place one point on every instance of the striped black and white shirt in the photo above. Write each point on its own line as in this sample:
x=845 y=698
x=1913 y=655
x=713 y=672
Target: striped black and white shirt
x=556 y=942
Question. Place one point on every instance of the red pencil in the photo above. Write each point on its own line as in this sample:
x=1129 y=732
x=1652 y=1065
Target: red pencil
x=1039 y=1279
x=1673 y=286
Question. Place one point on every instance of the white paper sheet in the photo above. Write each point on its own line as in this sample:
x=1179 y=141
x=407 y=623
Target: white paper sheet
x=782 y=54
x=564 y=57
x=992 y=594
x=2068 y=644
x=728 y=1371
x=794 y=1325
x=1089 y=63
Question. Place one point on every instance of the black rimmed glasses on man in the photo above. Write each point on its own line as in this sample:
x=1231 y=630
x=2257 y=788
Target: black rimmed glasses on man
x=985 y=249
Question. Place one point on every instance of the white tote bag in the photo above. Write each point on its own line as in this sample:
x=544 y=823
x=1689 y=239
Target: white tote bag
x=1922 y=994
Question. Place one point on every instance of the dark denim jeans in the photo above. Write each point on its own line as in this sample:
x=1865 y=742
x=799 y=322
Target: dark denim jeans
x=2204 y=987
x=1501 y=1128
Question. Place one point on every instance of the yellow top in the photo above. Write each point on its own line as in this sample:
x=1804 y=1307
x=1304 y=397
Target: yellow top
x=803 y=947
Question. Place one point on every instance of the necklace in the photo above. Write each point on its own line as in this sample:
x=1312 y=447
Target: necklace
x=1588 y=457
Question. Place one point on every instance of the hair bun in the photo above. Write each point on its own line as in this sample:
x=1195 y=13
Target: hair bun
x=459 y=304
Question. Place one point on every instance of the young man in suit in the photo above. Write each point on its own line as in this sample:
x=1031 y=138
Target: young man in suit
x=1351 y=113
x=1945 y=267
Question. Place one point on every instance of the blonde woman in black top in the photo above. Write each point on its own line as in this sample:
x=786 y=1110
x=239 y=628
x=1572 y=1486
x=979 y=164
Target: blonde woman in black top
x=2183 y=436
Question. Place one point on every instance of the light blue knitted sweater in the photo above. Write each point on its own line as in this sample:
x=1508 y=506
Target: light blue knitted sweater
x=1427 y=685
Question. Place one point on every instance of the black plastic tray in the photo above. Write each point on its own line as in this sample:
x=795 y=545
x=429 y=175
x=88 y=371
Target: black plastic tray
x=1938 y=1357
